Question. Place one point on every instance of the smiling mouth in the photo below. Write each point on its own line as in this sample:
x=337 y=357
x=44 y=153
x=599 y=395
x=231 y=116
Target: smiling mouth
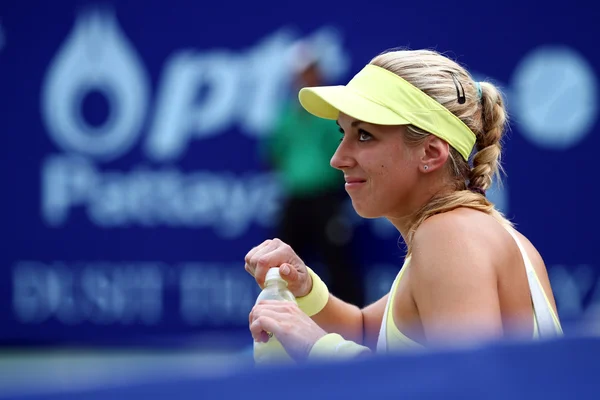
x=354 y=183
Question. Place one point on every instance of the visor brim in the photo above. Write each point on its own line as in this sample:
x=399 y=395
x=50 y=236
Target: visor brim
x=328 y=101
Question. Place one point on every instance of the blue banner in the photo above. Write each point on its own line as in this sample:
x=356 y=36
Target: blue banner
x=132 y=183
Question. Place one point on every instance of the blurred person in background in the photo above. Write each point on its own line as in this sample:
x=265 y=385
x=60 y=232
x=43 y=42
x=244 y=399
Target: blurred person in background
x=299 y=149
x=421 y=142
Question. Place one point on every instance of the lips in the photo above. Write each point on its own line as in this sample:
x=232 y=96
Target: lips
x=350 y=179
x=354 y=183
x=354 y=180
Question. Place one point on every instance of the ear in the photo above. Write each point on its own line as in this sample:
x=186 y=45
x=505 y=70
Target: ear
x=434 y=155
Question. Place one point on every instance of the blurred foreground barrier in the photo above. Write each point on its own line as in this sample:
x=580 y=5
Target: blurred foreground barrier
x=565 y=369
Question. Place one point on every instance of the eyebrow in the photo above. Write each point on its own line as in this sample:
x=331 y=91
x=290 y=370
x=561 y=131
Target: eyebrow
x=354 y=123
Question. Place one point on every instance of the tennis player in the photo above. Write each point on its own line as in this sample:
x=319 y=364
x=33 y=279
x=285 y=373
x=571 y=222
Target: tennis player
x=420 y=144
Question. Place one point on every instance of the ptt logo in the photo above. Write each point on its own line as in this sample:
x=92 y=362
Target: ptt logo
x=239 y=89
x=96 y=57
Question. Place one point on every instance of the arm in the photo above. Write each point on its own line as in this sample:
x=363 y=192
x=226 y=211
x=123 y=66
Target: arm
x=356 y=330
x=360 y=326
x=453 y=282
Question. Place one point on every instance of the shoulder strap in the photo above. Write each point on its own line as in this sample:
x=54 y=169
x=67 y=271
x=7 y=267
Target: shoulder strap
x=547 y=321
x=382 y=339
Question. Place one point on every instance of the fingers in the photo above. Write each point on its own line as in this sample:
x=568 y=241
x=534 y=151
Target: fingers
x=277 y=310
x=249 y=270
x=272 y=255
x=250 y=258
x=288 y=272
x=276 y=305
x=254 y=255
x=263 y=324
x=254 y=250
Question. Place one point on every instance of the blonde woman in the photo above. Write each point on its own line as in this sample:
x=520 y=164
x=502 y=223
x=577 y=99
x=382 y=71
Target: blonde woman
x=420 y=144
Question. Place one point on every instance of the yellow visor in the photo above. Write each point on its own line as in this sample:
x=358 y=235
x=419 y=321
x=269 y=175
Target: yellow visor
x=378 y=96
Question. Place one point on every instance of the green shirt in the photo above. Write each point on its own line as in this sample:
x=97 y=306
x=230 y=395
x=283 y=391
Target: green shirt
x=300 y=149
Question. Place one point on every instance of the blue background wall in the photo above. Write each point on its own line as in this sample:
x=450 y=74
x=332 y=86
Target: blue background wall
x=132 y=188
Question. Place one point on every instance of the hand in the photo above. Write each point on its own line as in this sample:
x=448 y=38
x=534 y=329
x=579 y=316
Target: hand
x=275 y=253
x=296 y=331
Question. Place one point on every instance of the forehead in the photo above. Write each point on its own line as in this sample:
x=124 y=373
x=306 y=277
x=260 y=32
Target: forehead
x=347 y=122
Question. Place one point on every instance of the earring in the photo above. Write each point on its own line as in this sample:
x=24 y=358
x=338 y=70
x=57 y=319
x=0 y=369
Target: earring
x=426 y=167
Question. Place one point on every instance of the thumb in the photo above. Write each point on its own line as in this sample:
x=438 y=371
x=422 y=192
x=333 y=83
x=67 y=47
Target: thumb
x=288 y=273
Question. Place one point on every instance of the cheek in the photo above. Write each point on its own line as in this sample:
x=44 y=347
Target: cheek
x=393 y=175
x=392 y=169
x=382 y=174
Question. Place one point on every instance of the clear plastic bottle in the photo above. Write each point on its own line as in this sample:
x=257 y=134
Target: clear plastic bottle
x=272 y=351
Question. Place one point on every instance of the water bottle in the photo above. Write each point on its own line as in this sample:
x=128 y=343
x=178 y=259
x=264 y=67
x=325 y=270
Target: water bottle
x=272 y=351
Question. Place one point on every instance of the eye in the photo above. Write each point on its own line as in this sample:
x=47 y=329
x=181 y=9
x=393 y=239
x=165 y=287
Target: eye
x=342 y=132
x=364 y=136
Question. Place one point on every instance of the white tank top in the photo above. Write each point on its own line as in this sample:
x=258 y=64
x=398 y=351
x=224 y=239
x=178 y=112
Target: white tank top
x=548 y=325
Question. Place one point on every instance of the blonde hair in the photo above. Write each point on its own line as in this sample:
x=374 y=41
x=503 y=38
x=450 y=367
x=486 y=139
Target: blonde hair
x=441 y=78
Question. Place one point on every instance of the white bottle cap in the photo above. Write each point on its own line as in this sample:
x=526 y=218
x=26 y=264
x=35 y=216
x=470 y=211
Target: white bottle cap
x=273 y=273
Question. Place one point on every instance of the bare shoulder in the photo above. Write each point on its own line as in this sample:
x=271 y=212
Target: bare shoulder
x=464 y=220
x=463 y=237
x=454 y=276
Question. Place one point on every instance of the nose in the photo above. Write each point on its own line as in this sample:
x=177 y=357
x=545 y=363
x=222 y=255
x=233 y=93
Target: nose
x=342 y=158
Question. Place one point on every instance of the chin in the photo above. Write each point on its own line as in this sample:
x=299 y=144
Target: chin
x=366 y=212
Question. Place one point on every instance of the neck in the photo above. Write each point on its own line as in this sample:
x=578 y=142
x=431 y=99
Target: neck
x=420 y=196
x=403 y=225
